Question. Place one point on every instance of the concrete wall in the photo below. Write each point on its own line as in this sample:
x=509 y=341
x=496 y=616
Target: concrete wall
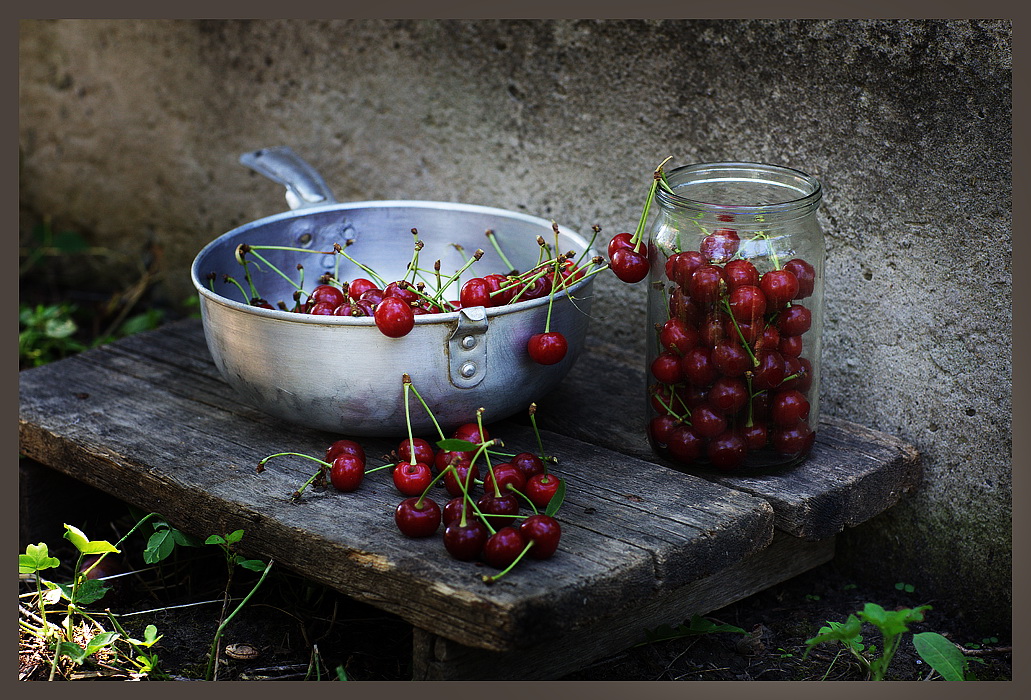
x=130 y=132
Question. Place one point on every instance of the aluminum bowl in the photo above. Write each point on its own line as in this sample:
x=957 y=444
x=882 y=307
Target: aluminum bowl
x=341 y=374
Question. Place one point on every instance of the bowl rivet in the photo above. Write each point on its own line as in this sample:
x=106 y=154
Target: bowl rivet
x=469 y=342
x=468 y=369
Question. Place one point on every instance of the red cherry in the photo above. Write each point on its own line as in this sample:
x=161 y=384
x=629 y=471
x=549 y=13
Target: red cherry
x=770 y=338
x=698 y=367
x=779 y=286
x=416 y=519
x=705 y=283
x=727 y=451
x=805 y=380
x=471 y=432
x=707 y=422
x=666 y=367
x=322 y=308
x=547 y=348
x=712 y=332
x=677 y=336
x=454 y=507
x=720 y=245
x=629 y=265
x=792 y=373
x=789 y=407
x=747 y=303
x=459 y=476
x=422 y=450
x=347 y=472
x=793 y=440
x=394 y=317
x=790 y=345
x=343 y=310
x=544 y=531
x=499 y=296
x=740 y=273
x=731 y=359
x=503 y=547
x=754 y=435
x=475 y=292
x=444 y=458
x=623 y=240
x=684 y=444
x=770 y=372
x=402 y=289
x=345 y=446
x=359 y=287
x=412 y=479
x=728 y=395
x=465 y=542
x=528 y=463
x=680 y=266
x=661 y=427
x=372 y=296
x=505 y=474
x=805 y=274
x=535 y=289
x=795 y=320
x=328 y=294
x=261 y=304
x=541 y=488
x=504 y=505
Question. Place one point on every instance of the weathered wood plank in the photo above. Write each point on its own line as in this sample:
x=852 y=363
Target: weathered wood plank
x=441 y=659
x=148 y=420
x=852 y=474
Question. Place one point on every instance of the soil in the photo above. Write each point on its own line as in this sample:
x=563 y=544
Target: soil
x=298 y=630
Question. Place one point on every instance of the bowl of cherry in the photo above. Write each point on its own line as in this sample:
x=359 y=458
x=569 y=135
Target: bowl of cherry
x=312 y=314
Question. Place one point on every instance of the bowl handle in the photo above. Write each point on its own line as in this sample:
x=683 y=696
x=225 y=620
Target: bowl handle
x=304 y=186
x=467 y=348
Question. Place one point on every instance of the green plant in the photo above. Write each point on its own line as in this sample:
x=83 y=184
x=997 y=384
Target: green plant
x=80 y=636
x=46 y=333
x=941 y=654
x=696 y=626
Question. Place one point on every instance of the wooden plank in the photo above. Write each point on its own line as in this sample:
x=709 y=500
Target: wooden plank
x=852 y=474
x=148 y=420
x=441 y=659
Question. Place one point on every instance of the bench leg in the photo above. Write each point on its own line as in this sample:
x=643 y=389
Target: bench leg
x=437 y=658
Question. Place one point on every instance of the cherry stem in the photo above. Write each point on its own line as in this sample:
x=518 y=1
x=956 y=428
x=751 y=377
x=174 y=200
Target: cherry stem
x=523 y=496
x=494 y=242
x=495 y=577
x=339 y=250
x=747 y=346
x=275 y=269
x=458 y=273
x=669 y=408
x=408 y=381
x=413 y=266
x=537 y=434
x=656 y=178
x=227 y=279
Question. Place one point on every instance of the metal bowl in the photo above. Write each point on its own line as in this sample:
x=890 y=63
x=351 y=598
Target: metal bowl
x=341 y=374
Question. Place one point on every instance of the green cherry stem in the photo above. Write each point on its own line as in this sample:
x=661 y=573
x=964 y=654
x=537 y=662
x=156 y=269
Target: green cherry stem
x=339 y=250
x=458 y=273
x=491 y=579
x=494 y=242
x=252 y=251
x=406 y=382
x=748 y=348
x=227 y=279
x=657 y=176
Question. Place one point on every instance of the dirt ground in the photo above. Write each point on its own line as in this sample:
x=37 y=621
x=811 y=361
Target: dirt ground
x=297 y=630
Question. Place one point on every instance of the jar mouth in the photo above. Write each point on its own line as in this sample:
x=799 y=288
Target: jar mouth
x=740 y=188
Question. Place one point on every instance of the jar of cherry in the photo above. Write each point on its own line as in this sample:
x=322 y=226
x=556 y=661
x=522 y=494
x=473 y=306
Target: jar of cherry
x=735 y=310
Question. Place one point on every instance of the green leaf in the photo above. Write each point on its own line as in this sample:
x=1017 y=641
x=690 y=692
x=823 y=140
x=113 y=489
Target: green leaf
x=894 y=622
x=90 y=591
x=456 y=445
x=59 y=328
x=698 y=625
x=215 y=539
x=159 y=546
x=72 y=650
x=36 y=558
x=941 y=654
x=69 y=242
x=150 y=635
x=848 y=633
x=84 y=544
x=234 y=536
x=100 y=641
x=556 y=501
x=252 y=564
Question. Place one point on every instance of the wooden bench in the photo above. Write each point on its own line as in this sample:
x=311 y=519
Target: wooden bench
x=148 y=420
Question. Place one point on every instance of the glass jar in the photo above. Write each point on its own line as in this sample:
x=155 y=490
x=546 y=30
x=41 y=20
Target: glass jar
x=735 y=313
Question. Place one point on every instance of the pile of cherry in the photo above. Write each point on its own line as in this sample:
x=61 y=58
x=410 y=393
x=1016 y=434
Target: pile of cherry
x=497 y=512
x=729 y=379
x=395 y=304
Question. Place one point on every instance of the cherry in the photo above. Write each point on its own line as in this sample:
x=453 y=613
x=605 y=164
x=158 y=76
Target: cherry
x=322 y=308
x=661 y=427
x=770 y=338
x=754 y=435
x=363 y=307
x=499 y=294
x=534 y=289
x=422 y=450
x=790 y=346
x=629 y=265
x=779 y=286
x=394 y=317
x=503 y=505
x=347 y=471
x=504 y=474
x=727 y=450
x=792 y=440
x=679 y=266
x=444 y=458
x=454 y=509
x=464 y=541
x=341 y=446
x=261 y=304
x=685 y=444
x=544 y=531
x=623 y=240
x=402 y=289
x=789 y=407
x=503 y=547
x=475 y=292
x=677 y=336
x=463 y=473
x=747 y=303
x=740 y=273
x=471 y=432
x=731 y=359
x=728 y=395
x=359 y=287
x=666 y=367
x=528 y=463
x=712 y=330
x=748 y=330
x=412 y=479
x=805 y=274
x=328 y=294
x=343 y=310
x=720 y=245
x=417 y=517
x=707 y=422
x=698 y=367
x=795 y=320
x=541 y=488
x=547 y=348
x=683 y=307
x=805 y=380
x=705 y=283
x=373 y=296
x=792 y=373
x=770 y=371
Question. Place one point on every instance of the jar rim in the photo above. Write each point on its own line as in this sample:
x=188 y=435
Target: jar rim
x=807 y=187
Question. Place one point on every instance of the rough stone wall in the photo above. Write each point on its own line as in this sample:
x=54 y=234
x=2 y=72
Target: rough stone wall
x=130 y=132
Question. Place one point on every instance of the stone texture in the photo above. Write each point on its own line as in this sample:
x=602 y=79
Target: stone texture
x=130 y=132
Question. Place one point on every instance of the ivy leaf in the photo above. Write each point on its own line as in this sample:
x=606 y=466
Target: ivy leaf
x=78 y=538
x=941 y=655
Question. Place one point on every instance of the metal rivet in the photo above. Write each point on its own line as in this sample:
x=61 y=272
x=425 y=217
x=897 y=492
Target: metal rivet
x=468 y=369
x=469 y=342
